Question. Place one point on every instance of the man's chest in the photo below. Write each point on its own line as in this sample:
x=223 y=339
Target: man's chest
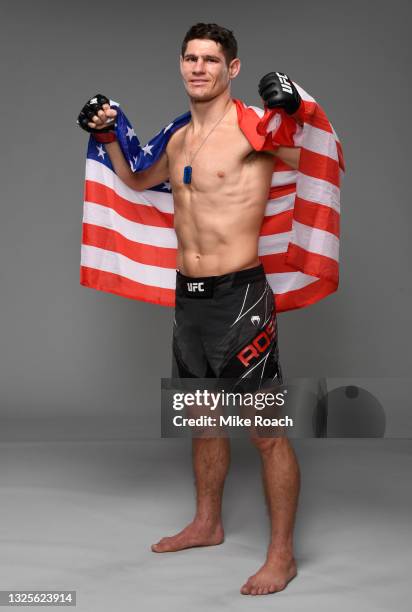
x=219 y=158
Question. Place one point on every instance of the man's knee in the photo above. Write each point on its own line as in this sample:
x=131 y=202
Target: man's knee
x=266 y=445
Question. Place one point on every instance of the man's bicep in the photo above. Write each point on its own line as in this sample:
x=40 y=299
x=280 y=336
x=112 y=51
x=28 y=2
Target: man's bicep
x=156 y=174
x=289 y=155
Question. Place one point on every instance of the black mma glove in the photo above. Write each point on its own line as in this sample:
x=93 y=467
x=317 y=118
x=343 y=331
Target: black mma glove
x=277 y=91
x=90 y=109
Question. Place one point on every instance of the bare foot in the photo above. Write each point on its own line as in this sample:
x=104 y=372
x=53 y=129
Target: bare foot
x=195 y=534
x=272 y=577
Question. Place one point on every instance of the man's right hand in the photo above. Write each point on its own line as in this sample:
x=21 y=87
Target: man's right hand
x=96 y=115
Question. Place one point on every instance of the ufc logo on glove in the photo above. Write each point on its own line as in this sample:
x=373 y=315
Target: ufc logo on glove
x=284 y=82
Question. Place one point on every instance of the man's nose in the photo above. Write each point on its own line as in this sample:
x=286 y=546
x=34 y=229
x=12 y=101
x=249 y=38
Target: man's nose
x=199 y=66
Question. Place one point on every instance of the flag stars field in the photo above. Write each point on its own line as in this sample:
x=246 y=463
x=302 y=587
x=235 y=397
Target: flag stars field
x=130 y=133
x=147 y=149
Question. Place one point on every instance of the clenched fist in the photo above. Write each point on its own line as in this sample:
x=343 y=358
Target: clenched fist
x=96 y=115
x=277 y=91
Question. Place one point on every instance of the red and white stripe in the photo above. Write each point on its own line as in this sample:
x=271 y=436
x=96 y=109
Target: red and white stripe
x=129 y=245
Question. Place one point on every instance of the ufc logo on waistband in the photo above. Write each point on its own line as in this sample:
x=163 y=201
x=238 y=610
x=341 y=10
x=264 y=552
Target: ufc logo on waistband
x=284 y=82
x=192 y=287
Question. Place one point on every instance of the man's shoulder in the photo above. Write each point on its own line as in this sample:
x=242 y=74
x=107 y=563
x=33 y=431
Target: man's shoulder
x=246 y=110
x=249 y=117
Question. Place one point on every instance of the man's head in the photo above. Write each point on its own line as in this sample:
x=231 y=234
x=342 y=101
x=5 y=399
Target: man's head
x=208 y=60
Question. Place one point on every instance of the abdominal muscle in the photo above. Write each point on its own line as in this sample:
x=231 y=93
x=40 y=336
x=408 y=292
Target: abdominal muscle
x=218 y=251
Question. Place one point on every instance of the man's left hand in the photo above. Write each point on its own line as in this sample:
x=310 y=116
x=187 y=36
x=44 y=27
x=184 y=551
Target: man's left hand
x=277 y=91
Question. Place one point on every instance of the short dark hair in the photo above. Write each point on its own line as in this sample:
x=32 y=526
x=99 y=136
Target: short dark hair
x=215 y=32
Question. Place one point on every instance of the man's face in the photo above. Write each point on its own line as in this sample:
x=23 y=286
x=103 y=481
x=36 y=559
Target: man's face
x=204 y=70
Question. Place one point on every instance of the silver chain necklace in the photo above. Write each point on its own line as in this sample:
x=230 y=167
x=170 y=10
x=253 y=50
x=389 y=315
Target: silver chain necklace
x=187 y=171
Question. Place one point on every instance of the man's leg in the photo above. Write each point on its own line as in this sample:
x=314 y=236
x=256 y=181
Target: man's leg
x=210 y=456
x=211 y=459
x=281 y=480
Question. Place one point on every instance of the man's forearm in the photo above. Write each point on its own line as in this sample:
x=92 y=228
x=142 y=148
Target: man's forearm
x=119 y=163
x=156 y=173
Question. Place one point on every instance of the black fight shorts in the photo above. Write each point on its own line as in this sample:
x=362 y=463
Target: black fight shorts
x=225 y=327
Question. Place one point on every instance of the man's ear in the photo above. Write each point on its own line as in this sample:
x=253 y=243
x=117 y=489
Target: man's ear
x=234 y=67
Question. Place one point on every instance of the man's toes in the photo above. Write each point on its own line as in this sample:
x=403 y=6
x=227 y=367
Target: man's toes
x=160 y=546
x=265 y=590
x=247 y=587
x=272 y=588
x=245 y=590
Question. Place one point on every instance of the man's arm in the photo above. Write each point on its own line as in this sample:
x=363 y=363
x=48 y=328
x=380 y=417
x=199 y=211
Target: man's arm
x=278 y=91
x=289 y=155
x=98 y=118
x=157 y=173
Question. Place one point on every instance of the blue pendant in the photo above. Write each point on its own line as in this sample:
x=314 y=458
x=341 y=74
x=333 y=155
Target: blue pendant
x=187 y=174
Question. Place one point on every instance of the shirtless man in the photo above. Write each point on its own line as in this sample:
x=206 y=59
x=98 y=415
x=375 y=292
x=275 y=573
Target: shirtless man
x=218 y=215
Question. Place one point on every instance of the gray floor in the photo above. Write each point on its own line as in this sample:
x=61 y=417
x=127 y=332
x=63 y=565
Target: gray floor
x=83 y=515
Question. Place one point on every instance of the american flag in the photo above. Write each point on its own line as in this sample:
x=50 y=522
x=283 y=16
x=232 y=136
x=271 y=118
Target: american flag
x=129 y=243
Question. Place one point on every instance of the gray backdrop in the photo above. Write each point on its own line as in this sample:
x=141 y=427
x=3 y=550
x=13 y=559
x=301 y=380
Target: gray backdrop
x=68 y=350
x=79 y=364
